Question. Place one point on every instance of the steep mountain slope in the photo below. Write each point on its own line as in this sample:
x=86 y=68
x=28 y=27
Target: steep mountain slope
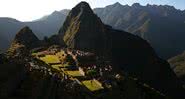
x=83 y=29
x=129 y=52
x=24 y=40
x=26 y=37
x=178 y=65
x=162 y=26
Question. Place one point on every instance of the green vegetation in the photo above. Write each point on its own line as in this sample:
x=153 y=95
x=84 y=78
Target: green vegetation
x=178 y=64
x=66 y=64
x=92 y=85
x=50 y=59
x=61 y=55
x=33 y=51
x=56 y=66
x=91 y=73
x=74 y=73
x=69 y=59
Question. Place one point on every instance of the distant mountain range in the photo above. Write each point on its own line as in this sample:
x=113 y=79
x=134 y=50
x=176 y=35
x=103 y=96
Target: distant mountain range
x=46 y=26
x=162 y=26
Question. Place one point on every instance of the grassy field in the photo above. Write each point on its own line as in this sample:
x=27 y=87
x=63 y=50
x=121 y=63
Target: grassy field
x=56 y=66
x=92 y=85
x=75 y=73
x=61 y=54
x=50 y=59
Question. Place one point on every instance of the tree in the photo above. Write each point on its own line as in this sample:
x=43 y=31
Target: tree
x=92 y=73
x=70 y=60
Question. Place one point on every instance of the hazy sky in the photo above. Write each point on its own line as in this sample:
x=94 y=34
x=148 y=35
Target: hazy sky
x=27 y=10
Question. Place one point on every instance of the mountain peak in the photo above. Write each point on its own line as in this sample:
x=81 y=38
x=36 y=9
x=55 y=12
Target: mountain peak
x=117 y=4
x=82 y=7
x=25 y=37
x=24 y=30
x=56 y=13
x=83 y=4
x=24 y=40
x=83 y=29
x=136 y=5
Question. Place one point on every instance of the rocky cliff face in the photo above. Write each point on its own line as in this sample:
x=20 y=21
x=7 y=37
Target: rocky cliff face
x=84 y=30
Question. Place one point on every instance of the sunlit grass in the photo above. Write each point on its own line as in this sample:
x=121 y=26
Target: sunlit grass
x=61 y=54
x=75 y=73
x=56 y=66
x=92 y=85
x=66 y=64
x=50 y=59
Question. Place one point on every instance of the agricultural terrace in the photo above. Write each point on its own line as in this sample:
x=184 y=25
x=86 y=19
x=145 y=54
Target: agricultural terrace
x=63 y=63
x=50 y=59
x=92 y=85
x=75 y=73
x=57 y=66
